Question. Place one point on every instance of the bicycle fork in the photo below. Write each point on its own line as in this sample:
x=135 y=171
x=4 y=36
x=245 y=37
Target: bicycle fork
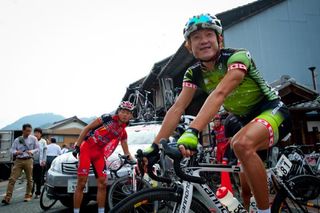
x=134 y=179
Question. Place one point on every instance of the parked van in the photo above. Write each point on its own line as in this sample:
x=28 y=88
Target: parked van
x=6 y=139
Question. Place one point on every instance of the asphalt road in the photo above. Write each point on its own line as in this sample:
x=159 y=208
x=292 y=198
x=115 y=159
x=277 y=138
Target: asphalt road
x=17 y=205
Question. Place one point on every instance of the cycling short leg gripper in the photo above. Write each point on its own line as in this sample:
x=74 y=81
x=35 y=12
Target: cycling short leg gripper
x=272 y=122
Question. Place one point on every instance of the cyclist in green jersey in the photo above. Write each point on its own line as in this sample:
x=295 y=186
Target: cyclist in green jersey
x=231 y=79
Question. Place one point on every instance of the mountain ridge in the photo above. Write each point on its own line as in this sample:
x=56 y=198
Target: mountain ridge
x=42 y=120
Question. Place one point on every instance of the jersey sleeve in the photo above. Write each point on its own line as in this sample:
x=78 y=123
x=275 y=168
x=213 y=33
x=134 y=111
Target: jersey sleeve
x=188 y=79
x=124 y=135
x=105 y=118
x=239 y=60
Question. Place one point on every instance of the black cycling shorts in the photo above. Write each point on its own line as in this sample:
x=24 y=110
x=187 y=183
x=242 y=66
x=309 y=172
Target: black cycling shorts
x=273 y=114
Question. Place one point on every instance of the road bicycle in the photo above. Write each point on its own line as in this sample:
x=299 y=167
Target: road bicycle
x=295 y=182
x=144 y=108
x=180 y=197
x=170 y=96
x=300 y=163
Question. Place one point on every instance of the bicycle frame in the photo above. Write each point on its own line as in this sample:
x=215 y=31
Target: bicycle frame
x=204 y=189
x=142 y=102
x=209 y=196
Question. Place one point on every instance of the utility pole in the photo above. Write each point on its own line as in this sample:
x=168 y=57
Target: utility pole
x=313 y=73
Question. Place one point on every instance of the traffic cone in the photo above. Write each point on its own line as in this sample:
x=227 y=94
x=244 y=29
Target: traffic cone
x=225 y=177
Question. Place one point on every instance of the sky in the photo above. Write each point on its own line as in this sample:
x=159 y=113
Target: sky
x=76 y=57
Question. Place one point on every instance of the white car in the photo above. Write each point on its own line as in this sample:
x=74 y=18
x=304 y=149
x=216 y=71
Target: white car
x=62 y=175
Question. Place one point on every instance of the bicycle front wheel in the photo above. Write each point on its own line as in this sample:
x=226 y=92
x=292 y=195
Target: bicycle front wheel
x=45 y=201
x=167 y=200
x=304 y=188
x=123 y=187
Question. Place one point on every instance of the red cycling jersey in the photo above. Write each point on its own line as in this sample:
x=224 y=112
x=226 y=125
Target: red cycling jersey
x=101 y=143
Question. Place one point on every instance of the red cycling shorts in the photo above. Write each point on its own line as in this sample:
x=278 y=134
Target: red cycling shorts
x=91 y=153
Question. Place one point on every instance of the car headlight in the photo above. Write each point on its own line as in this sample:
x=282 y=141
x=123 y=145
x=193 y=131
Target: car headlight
x=56 y=166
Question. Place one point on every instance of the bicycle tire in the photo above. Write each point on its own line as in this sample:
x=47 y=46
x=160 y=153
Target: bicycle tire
x=139 y=202
x=133 y=99
x=114 y=198
x=304 y=187
x=44 y=206
x=138 y=108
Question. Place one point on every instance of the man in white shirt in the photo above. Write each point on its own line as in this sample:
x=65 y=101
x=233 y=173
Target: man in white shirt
x=53 y=150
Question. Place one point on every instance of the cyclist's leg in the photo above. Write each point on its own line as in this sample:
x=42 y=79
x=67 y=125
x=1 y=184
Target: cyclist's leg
x=100 y=173
x=83 y=172
x=232 y=125
x=225 y=147
x=253 y=137
x=219 y=152
x=245 y=191
x=262 y=132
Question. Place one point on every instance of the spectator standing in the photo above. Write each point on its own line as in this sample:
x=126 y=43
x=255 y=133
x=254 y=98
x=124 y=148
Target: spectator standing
x=39 y=163
x=65 y=149
x=220 y=138
x=23 y=148
x=53 y=150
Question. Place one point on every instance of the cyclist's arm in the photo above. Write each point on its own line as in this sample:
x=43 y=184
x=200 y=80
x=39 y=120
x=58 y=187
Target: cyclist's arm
x=173 y=115
x=212 y=105
x=93 y=125
x=125 y=148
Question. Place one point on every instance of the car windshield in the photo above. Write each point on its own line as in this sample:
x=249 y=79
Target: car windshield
x=142 y=134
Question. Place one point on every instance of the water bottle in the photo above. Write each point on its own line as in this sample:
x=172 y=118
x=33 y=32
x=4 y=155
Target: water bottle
x=230 y=202
x=253 y=205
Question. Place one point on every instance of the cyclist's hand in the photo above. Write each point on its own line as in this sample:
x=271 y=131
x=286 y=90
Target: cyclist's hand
x=151 y=150
x=132 y=161
x=76 y=151
x=188 y=142
x=148 y=154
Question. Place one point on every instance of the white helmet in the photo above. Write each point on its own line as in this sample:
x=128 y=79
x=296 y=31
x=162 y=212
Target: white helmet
x=202 y=21
x=126 y=105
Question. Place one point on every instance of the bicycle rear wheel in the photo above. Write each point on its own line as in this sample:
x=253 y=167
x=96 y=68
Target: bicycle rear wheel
x=303 y=187
x=167 y=200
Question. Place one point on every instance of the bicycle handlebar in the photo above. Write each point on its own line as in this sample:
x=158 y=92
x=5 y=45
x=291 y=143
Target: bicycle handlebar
x=151 y=162
x=152 y=159
x=176 y=156
x=127 y=160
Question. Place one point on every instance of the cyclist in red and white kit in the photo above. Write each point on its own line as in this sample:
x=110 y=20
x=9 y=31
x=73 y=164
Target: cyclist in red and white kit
x=96 y=142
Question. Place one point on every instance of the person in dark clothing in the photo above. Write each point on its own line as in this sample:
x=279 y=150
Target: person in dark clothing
x=39 y=163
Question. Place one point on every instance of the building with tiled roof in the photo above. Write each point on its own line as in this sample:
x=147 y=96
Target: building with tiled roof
x=282 y=37
x=65 y=131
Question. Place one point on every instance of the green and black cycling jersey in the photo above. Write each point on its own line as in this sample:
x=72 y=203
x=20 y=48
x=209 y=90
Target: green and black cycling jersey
x=249 y=93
